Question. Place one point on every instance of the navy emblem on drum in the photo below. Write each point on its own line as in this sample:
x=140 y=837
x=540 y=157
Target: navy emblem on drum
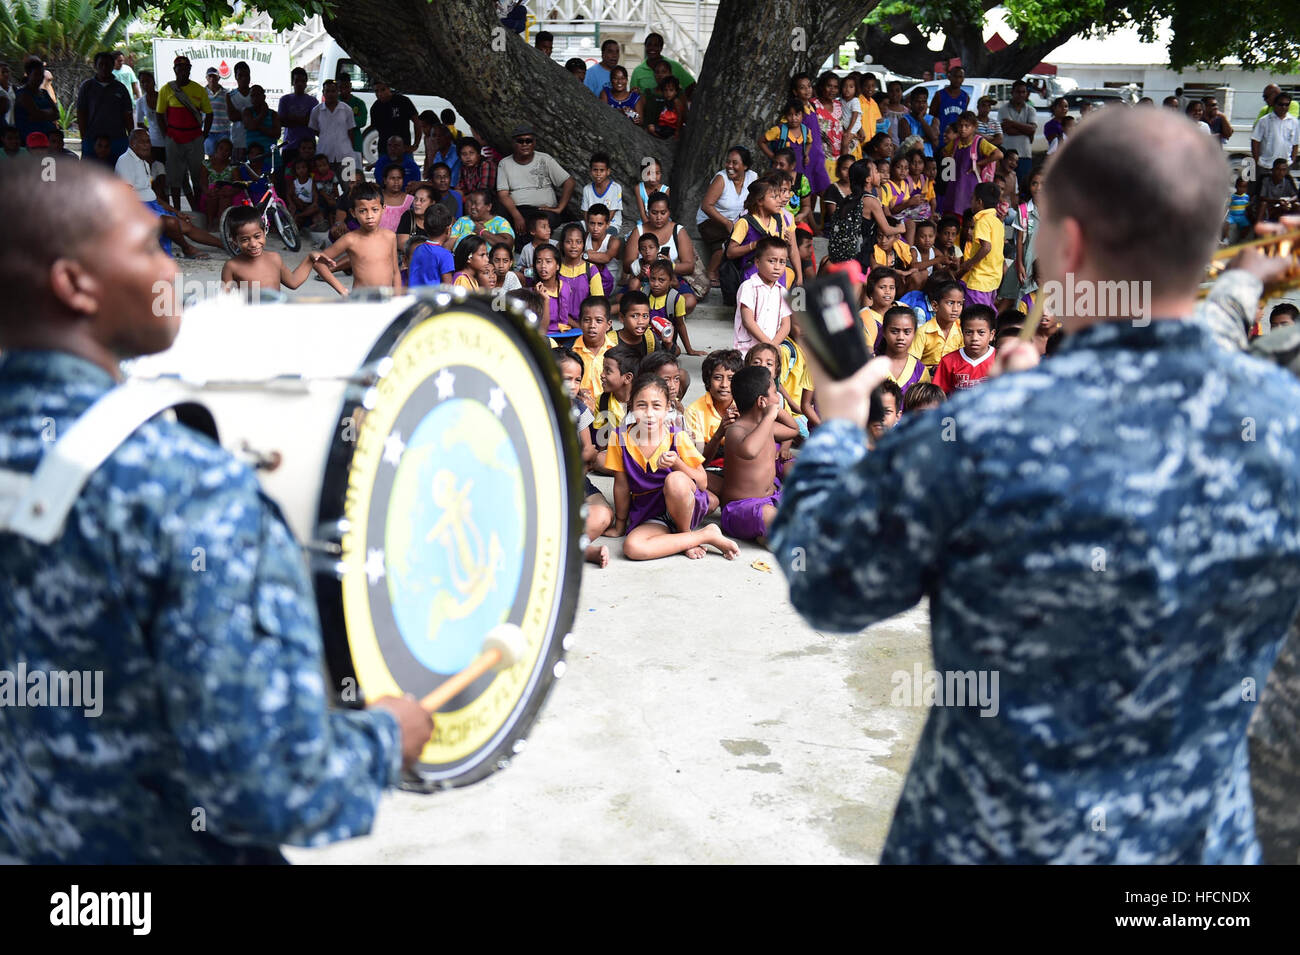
x=460 y=514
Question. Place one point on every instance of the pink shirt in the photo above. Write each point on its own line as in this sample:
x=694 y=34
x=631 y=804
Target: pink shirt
x=768 y=305
x=392 y=215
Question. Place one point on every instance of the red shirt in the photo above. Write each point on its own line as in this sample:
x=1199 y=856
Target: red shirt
x=956 y=372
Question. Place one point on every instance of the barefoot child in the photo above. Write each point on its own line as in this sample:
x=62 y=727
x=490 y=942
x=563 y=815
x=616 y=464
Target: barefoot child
x=659 y=485
x=255 y=267
x=769 y=357
x=750 y=490
x=709 y=415
x=664 y=364
x=599 y=514
x=371 y=250
x=618 y=368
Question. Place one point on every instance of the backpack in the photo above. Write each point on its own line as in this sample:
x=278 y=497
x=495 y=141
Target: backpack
x=844 y=231
x=730 y=274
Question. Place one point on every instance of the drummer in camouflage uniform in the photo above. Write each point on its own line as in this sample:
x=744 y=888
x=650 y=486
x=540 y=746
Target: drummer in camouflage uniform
x=171 y=577
x=1114 y=534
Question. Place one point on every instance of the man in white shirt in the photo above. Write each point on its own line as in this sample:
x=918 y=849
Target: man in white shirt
x=1019 y=124
x=1275 y=136
x=8 y=91
x=134 y=166
x=333 y=123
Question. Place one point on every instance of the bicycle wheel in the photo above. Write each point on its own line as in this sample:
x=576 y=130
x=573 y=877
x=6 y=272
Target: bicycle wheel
x=226 y=233
x=285 y=227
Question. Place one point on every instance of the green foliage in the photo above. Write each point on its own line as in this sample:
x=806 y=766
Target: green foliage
x=187 y=17
x=1260 y=33
x=58 y=31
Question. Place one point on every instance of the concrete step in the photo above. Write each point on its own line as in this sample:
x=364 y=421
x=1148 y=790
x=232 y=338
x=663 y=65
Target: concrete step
x=712 y=310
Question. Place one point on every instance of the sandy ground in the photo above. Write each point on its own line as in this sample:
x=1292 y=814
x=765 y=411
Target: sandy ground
x=699 y=720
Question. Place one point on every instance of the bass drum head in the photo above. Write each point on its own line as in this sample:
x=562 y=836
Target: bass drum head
x=455 y=485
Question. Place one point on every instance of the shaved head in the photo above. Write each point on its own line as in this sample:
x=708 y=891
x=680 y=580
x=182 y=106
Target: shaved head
x=65 y=203
x=1147 y=191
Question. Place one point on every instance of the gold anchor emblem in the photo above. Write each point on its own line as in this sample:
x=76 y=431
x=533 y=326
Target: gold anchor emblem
x=473 y=571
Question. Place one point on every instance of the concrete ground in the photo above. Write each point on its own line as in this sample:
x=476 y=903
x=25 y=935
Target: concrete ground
x=699 y=720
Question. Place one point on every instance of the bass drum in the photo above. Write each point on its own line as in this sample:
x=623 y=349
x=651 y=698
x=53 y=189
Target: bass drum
x=446 y=495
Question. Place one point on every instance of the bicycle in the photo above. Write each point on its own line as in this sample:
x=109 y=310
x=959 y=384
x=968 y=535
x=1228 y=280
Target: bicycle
x=273 y=210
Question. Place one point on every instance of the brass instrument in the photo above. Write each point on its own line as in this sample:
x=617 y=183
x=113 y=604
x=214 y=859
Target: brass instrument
x=1285 y=245
x=1282 y=245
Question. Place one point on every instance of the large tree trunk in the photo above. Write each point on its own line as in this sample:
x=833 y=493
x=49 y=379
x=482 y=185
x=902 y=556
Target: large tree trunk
x=458 y=50
x=962 y=39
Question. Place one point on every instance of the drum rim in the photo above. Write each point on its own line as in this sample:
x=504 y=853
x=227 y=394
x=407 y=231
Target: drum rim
x=499 y=748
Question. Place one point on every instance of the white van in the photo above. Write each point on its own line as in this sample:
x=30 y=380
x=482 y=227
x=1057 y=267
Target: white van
x=335 y=64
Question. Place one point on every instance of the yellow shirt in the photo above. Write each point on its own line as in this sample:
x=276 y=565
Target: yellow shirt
x=901 y=249
x=909 y=368
x=465 y=281
x=935 y=344
x=681 y=443
x=702 y=419
x=987 y=275
x=591 y=365
x=612 y=339
x=873 y=322
x=795 y=376
x=661 y=301
x=793 y=135
x=573 y=271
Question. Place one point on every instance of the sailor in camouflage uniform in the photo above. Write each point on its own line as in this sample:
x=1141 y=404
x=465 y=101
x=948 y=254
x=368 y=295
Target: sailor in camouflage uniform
x=1274 y=733
x=172 y=575
x=1115 y=533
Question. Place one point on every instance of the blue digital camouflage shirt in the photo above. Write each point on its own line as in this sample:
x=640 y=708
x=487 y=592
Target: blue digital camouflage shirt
x=1116 y=534
x=181 y=582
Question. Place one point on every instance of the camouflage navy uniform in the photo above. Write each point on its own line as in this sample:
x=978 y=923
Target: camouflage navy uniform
x=1275 y=729
x=182 y=583
x=1116 y=533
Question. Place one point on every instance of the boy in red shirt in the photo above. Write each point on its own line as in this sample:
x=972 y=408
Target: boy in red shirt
x=970 y=364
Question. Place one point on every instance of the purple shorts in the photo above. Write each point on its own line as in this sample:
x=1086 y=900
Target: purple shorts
x=744 y=519
x=651 y=508
x=981 y=298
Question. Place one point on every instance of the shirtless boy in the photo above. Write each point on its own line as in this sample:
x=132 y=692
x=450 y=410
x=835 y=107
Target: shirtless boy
x=372 y=251
x=255 y=268
x=750 y=491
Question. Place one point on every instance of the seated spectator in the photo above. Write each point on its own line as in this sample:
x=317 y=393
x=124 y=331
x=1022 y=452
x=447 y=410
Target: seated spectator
x=443 y=193
x=395 y=153
x=532 y=181
x=1277 y=193
x=617 y=95
x=476 y=170
x=604 y=190
x=479 y=220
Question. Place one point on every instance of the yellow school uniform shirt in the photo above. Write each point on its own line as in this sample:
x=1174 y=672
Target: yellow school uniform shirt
x=702 y=419
x=591 y=365
x=573 y=271
x=901 y=249
x=892 y=192
x=935 y=344
x=464 y=281
x=660 y=301
x=794 y=135
x=987 y=275
x=680 y=443
x=795 y=376
x=873 y=322
x=909 y=369
x=612 y=339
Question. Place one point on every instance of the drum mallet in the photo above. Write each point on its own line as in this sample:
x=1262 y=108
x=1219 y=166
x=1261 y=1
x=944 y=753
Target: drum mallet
x=504 y=645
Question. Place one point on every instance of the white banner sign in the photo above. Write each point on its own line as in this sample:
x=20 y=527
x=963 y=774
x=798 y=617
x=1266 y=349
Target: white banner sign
x=268 y=63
